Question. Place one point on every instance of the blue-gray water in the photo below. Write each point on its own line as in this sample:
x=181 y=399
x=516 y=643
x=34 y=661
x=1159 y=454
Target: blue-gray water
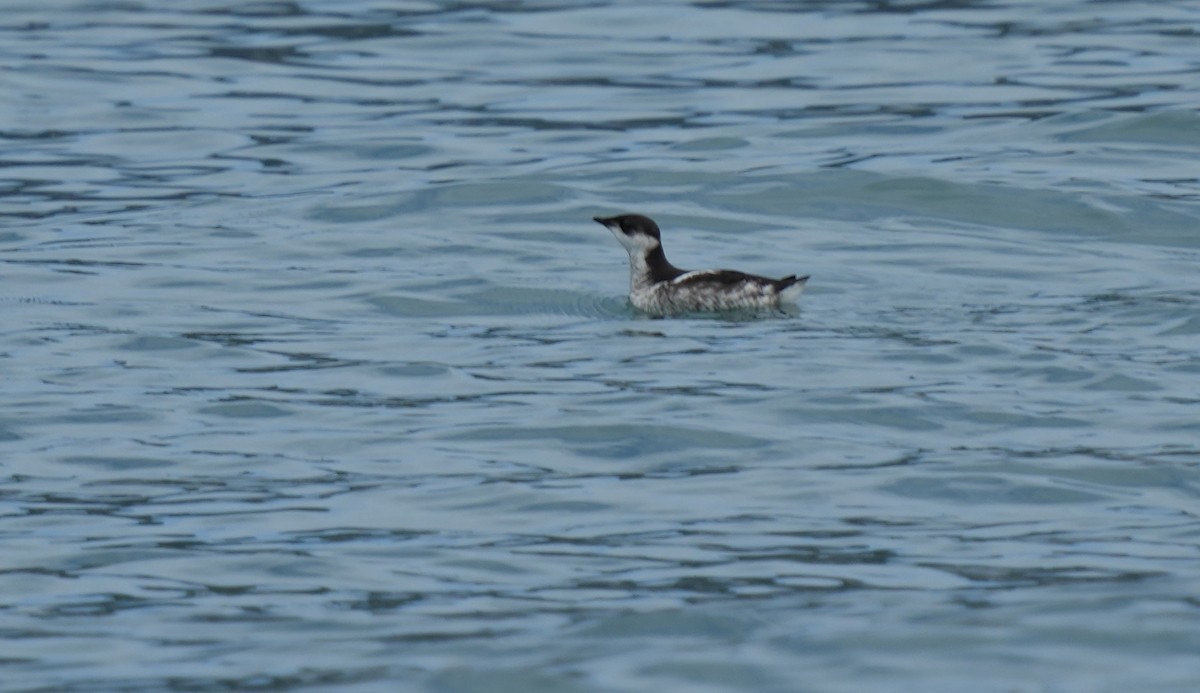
x=316 y=374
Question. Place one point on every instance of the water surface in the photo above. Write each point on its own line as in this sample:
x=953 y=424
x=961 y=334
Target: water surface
x=317 y=375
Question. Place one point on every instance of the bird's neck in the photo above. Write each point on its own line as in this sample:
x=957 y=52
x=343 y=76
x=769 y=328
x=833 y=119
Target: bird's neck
x=649 y=267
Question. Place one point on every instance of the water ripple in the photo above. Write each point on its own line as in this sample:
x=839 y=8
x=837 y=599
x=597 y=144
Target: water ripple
x=310 y=346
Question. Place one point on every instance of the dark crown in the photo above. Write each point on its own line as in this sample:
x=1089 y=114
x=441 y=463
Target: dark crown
x=633 y=223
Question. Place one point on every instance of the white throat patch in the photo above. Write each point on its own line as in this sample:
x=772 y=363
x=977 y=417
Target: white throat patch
x=638 y=243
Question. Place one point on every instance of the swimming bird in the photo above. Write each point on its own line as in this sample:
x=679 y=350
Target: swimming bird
x=660 y=288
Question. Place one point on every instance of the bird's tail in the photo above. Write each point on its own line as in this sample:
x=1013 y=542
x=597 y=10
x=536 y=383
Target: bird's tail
x=791 y=286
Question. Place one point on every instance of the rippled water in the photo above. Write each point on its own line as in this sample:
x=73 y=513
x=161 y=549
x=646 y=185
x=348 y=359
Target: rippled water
x=317 y=375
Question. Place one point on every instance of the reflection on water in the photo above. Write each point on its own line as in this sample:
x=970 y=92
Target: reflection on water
x=318 y=375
